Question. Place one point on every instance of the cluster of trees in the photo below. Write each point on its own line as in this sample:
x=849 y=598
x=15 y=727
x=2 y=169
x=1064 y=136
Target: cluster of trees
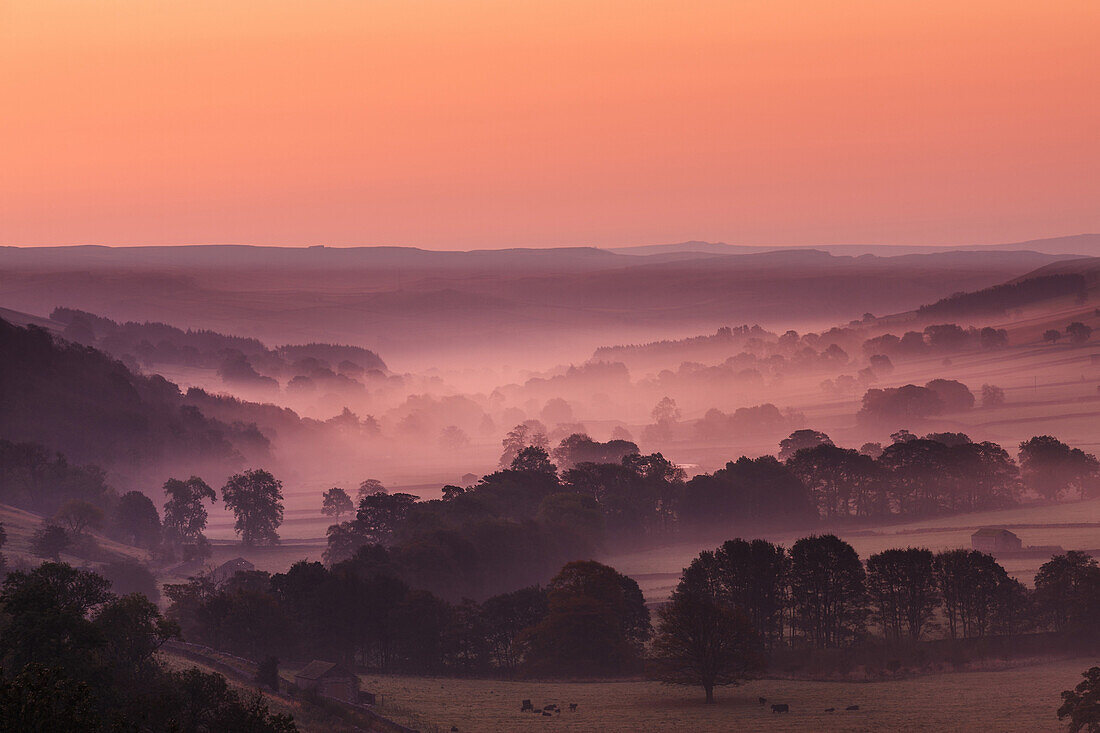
x=77 y=657
x=999 y=299
x=911 y=402
x=526 y=520
x=749 y=596
x=588 y=620
x=92 y=408
x=237 y=358
x=1077 y=332
x=76 y=500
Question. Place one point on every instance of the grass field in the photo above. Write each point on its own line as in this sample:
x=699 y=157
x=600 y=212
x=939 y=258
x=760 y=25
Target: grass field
x=1018 y=699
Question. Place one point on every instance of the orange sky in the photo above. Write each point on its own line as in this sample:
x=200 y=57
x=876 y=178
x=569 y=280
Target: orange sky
x=466 y=123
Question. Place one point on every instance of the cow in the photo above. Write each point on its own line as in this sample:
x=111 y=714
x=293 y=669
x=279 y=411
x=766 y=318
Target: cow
x=781 y=708
x=763 y=700
x=852 y=707
x=527 y=706
x=830 y=710
x=547 y=714
x=572 y=707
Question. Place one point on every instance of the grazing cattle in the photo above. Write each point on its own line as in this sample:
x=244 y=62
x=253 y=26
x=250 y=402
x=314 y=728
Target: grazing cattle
x=454 y=729
x=549 y=707
x=547 y=714
x=830 y=710
x=781 y=708
x=763 y=700
x=572 y=707
x=852 y=707
x=527 y=706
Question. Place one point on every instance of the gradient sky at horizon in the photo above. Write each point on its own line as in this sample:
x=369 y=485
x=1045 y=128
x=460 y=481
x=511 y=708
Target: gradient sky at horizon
x=496 y=123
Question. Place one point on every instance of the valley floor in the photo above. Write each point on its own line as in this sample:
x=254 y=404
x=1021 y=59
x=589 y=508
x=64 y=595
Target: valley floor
x=1023 y=698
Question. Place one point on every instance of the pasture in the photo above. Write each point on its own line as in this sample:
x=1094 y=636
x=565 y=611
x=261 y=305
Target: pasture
x=1021 y=699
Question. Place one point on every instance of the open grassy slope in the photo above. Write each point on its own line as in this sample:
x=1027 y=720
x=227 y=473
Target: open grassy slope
x=1021 y=699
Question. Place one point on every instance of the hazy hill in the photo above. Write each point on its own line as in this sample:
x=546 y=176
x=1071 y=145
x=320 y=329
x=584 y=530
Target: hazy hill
x=80 y=402
x=425 y=308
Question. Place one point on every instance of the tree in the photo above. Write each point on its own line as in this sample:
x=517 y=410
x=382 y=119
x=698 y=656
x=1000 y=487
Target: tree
x=136 y=520
x=1082 y=704
x=841 y=481
x=902 y=588
x=48 y=610
x=184 y=514
x=49 y=540
x=703 y=641
x=992 y=396
x=1051 y=467
x=506 y=616
x=533 y=459
x=370 y=486
x=380 y=516
x=336 y=503
x=530 y=433
x=955 y=396
x=751 y=576
x=78 y=516
x=828 y=596
x=1052 y=335
x=267 y=673
x=1067 y=590
x=596 y=623
x=968 y=582
x=1078 y=332
x=799 y=440
x=256 y=497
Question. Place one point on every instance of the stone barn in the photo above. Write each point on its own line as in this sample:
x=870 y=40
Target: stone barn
x=994 y=540
x=328 y=679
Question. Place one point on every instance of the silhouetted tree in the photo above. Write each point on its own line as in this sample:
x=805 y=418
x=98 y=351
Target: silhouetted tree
x=702 y=640
x=1082 y=704
x=136 y=520
x=968 y=581
x=1078 y=332
x=336 y=503
x=381 y=515
x=1067 y=590
x=828 y=595
x=954 y=395
x=534 y=460
x=49 y=540
x=1052 y=335
x=184 y=515
x=78 y=516
x=992 y=396
x=1051 y=467
x=370 y=486
x=841 y=481
x=530 y=433
x=902 y=588
x=596 y=623
x=508 y=614
x=256 y=498
x=801 y=440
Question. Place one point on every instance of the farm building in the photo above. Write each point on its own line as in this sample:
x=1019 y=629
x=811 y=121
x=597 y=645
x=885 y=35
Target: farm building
x=229 y=568
x=994 y=540
x=328 y=679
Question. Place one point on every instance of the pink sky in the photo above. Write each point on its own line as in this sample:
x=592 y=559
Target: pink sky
x=467 y=123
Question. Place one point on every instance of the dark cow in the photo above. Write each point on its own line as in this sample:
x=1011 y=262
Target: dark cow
x=830 y=710
x=781 y=708
x=852 y=707
x=572 y=707
x=547 y=714
x=763 y=700
x=527 y=706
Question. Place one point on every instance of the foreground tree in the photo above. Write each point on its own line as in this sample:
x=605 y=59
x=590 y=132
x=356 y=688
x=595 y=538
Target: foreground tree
x=828 y=596
x=970 y=583
x=902 y=588
x=1082 y=704
x=1067 y=591
x=78 y=516
x=801 y=440
x=701 y=640
x=49 y=541
x=256 y=497
x=596 y=623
